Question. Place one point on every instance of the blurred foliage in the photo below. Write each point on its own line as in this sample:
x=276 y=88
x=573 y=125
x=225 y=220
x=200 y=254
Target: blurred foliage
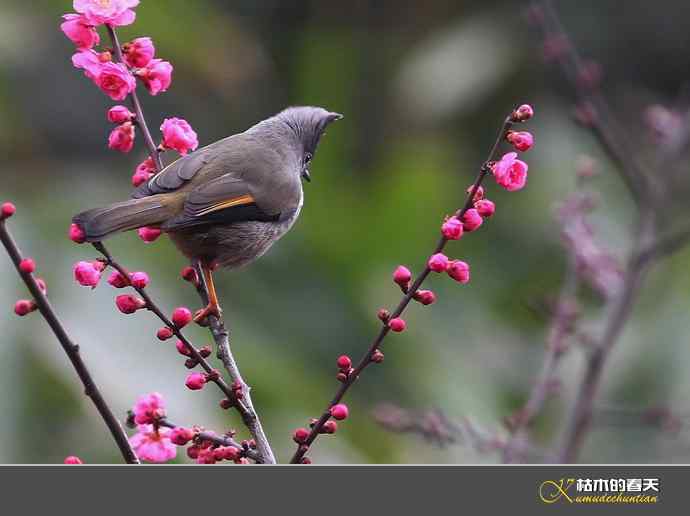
x=423 y=86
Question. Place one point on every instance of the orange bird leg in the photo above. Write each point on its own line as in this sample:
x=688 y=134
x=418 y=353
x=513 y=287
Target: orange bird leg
x=213 y=308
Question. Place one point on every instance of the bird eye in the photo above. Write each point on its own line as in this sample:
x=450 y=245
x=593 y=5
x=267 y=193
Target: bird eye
x=307 y=157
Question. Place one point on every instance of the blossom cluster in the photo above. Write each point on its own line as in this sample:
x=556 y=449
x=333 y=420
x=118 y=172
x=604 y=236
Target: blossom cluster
x=115 y=72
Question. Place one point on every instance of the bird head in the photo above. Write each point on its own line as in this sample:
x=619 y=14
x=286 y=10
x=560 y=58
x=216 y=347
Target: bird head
x=308 y=124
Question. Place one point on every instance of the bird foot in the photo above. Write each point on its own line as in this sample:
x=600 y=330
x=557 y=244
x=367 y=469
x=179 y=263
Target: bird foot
x=201 y=316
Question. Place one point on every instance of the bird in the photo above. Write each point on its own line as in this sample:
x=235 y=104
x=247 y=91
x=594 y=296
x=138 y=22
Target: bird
x=225 y=204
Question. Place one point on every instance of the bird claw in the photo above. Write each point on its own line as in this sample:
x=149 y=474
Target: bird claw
x=201 y=316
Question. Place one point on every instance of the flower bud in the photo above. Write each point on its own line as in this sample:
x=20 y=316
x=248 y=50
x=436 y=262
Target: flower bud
x=72 y=459
x=195 y=381
x=402 y=276
x=471 y=220
x=383 y=314
x=452 y=229
x=329 y=427
x=182 y=349
x=438 y=262
x=87 y=274
x=426 y=297
x=189 y=274
x=128 y=304
x=339 y=411
x=27 y=265
x=523 y=113
x=7 y=210
x=344 y=362
x=520 y=140
x=164 y=333
x=397 y=324
x=149 y=235
x=459 y=271
x=485 y=207
x=119 y=115
x=24 y=307
x=181 y=436
x=377 y=357
x=181 y=317
x=139 y=279
x=300 y=435
x=117 y=280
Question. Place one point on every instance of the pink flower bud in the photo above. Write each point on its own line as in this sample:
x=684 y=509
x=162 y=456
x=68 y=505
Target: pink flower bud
x=344 y=362
x=72 y=459
x=139 y=279
x=402 y=276
x=339 y=411
x=195 y=381
x=138 y=52
x=471 y=220
x=383 y=315
x=485 y=207
x=157 y=76
x=452 y=229
x=426 y=297
x=76 y=234
x=329 y=427
x=42 y=285
x=521 y=140
x=189 y=274
x=377 y=357
x=478 y=194
x=182 y=349
x=510 y=172
x=119 y=115
x=438 y=262
x=164 y=333
x=181 y=436
x=117 y=280
x=523 y=113
x=178 y=135
x=300 y=435
x=78 y=29
x=148 y=234
x=86 y=274
x=27 y=265
x=143 y=172
x=397 y=324
x=24 y=307
x=7 y=210
x=232 y=453
x=122 y=137
x=128 y=303
x=181 y=317
x=459 y=271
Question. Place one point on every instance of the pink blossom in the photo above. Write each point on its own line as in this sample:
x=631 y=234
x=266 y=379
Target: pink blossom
x=76 y=234
x=402 y=276
x=24 y=307
x=485 y=207
x=86 y=274
x=119 y=114
x=181 y=316
x=478 y=193
x=149 y=408
x=510 y=172
x=164 y=333
x=128 y=303
x=195 y=381
x=459 y=271
x=300 y=435
x=452 y=229
x=139 y=279
x=115 y=80
x=339 y=411
x=426 y=297
x=7 y=210
x=89 y=61
x=344 y=362
x=157 y=76
x=178 y=135
x=397 y=324
x=72 y=459
x=148 y=234
x=117 y=280
x=144 y=172
x=153 y=445
x=181 y=436
x=27 y=265
x=112 y=12
x=521 y=140
x=471 y=219
x=138 y=52
x=77 y=28
x=523 y=113
x=122 y=137
x=438 y=262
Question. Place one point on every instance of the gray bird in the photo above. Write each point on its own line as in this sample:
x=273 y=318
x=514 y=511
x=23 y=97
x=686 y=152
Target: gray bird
x=225 y=204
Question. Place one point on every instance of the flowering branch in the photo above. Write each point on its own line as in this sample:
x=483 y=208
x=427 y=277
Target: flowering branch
x=25 y=268
x=511 y=174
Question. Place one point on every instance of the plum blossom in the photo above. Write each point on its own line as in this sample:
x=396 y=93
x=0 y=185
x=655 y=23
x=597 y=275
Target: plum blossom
x=157 y=76
x=112 y=12
x=138 y=52
x=143 y=172
x=178 y=135
x=122 y=137
x=87 y=274
x=119 y=114
x=112 y=78
x=510 y=172
x=153 y=444
x=149 y=408
x=78 y=29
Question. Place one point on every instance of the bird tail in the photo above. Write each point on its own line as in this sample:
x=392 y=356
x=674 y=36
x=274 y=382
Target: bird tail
x=99 y=223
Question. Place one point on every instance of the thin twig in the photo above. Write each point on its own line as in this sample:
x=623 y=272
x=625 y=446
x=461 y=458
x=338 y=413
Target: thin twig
x=70 y=348
x=221 y=337
x=404 y=302
x=561 y=328
x=140 y=120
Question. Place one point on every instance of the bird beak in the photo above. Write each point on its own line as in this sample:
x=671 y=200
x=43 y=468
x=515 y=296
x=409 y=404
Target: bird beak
x=332 y=117
x=306 y=175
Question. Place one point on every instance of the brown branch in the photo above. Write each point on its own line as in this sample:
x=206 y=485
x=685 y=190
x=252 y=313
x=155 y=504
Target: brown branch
x=221 y=337
x=404 y=302
x=70 y=348
x=561 y=329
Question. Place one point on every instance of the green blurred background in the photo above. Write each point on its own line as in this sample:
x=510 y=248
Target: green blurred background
x=424 y=87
